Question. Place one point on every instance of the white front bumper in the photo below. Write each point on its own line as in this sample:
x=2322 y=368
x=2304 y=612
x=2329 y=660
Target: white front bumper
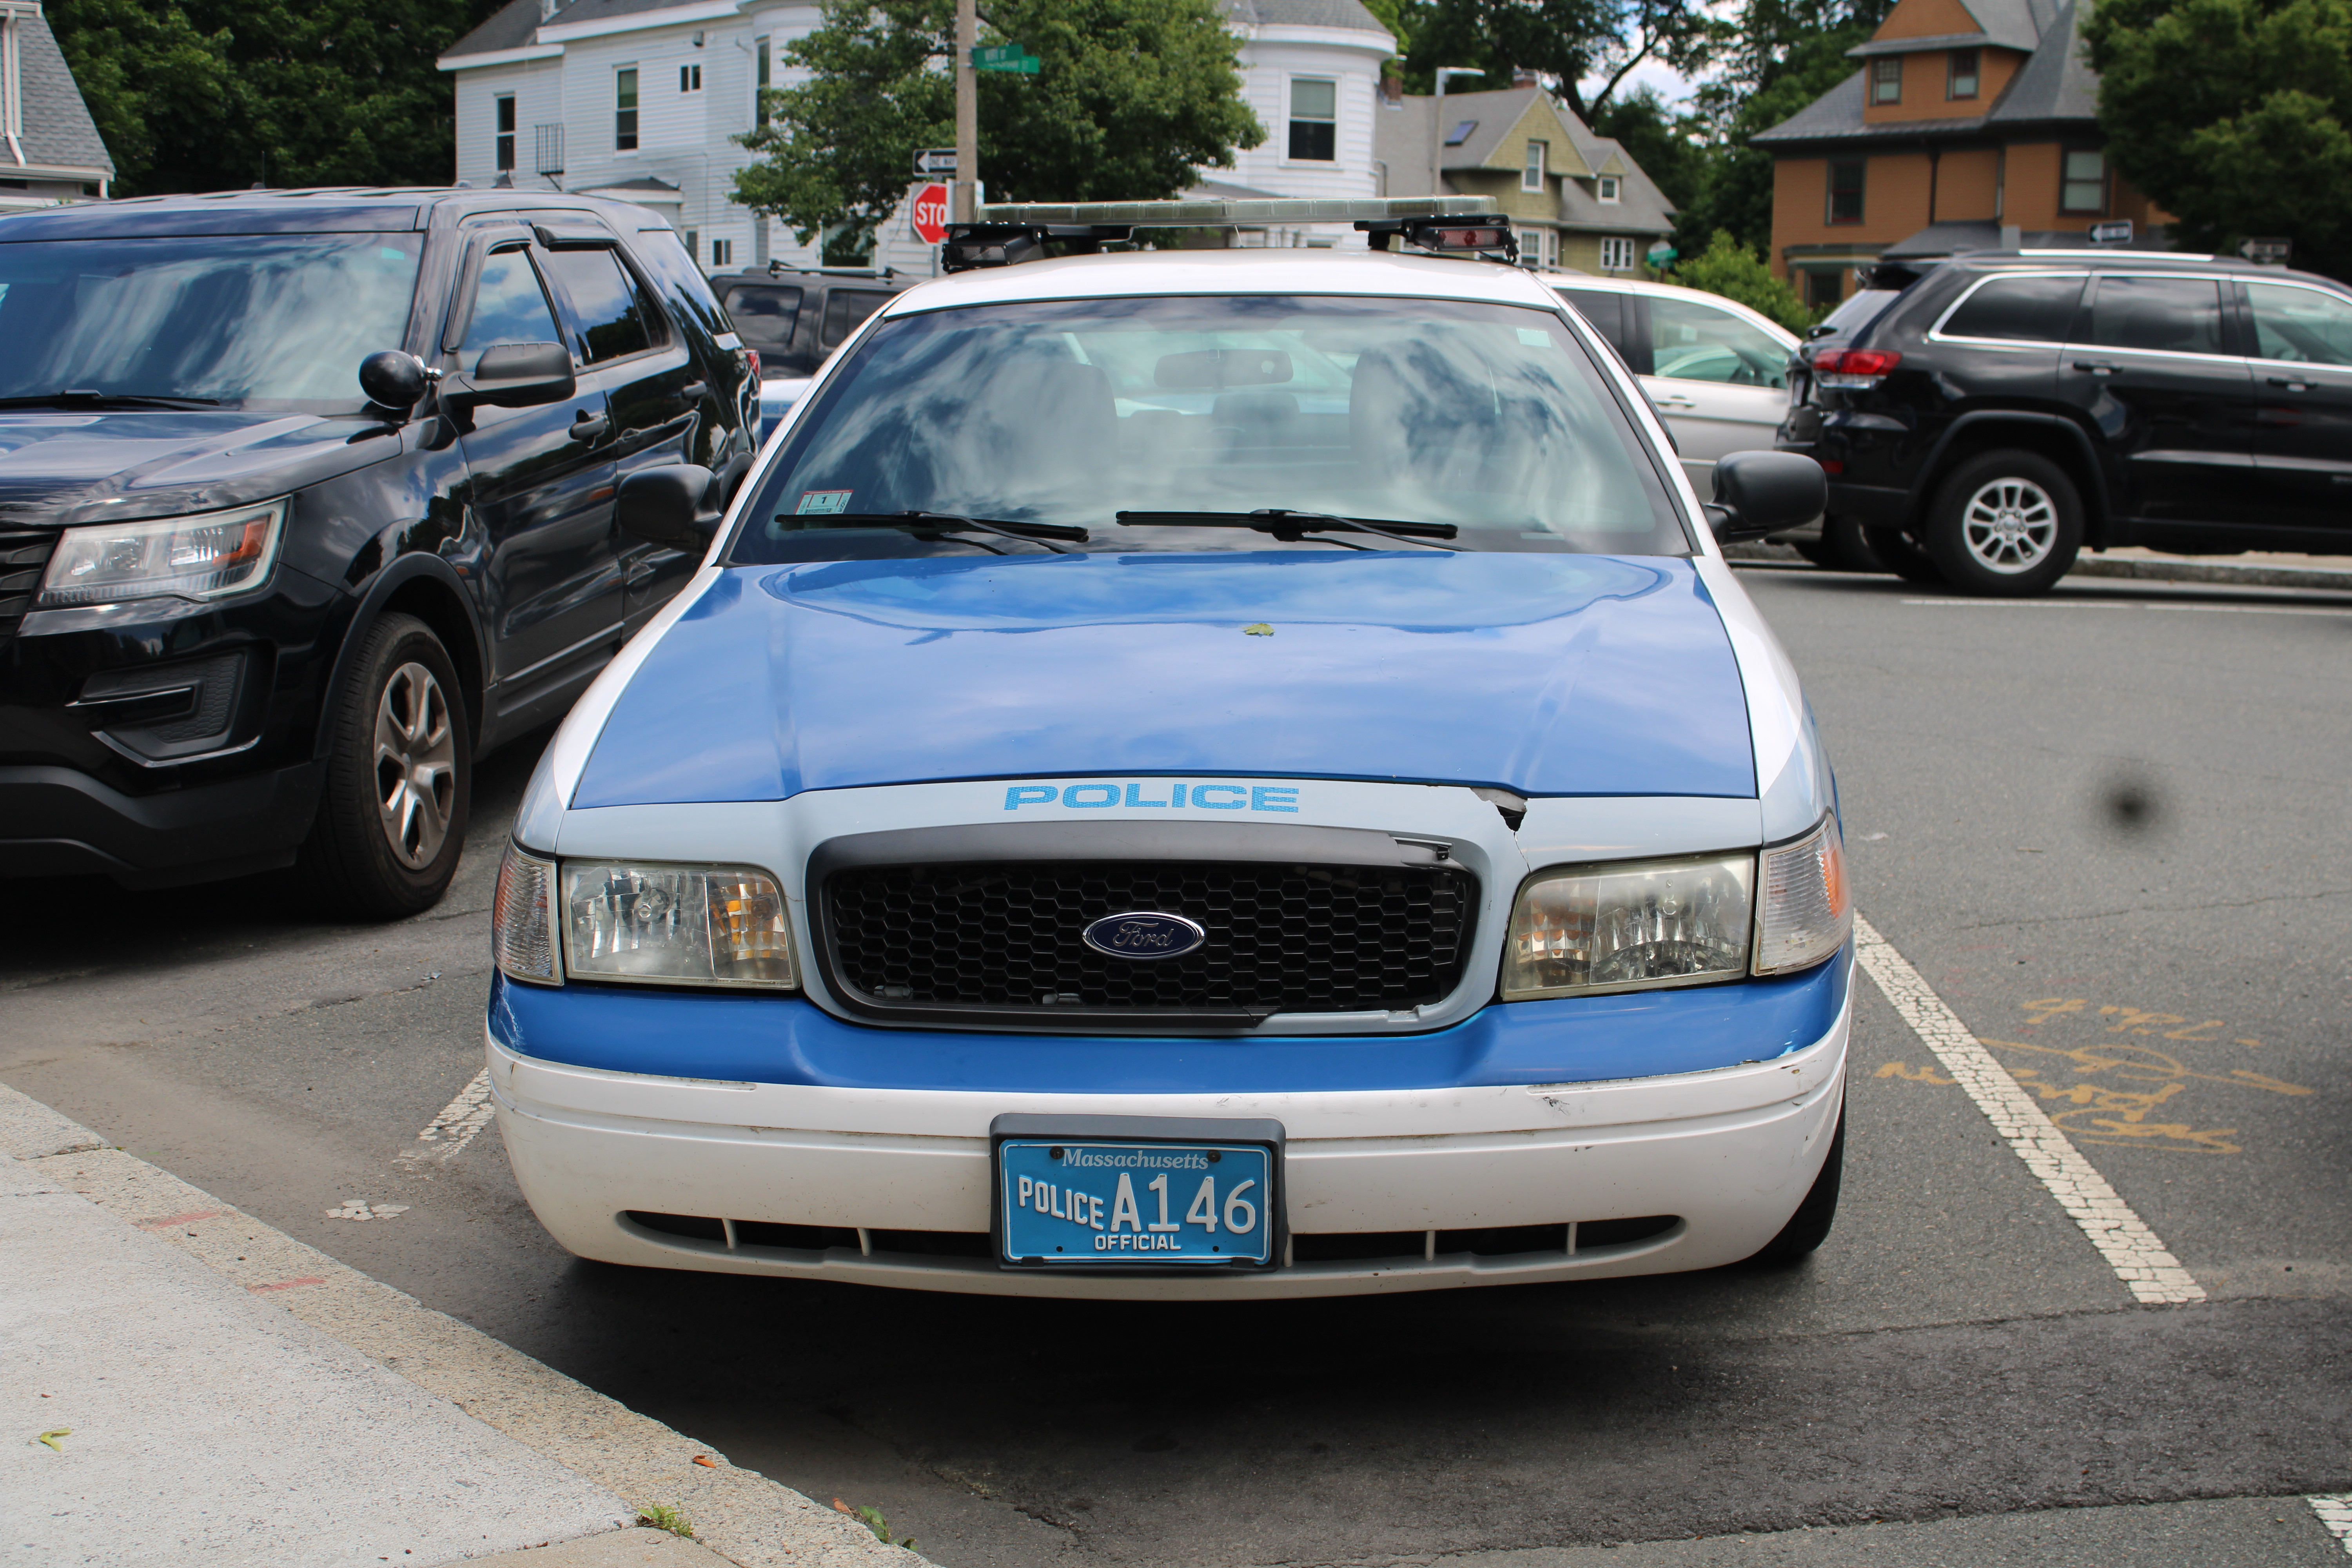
x=1731 y=1153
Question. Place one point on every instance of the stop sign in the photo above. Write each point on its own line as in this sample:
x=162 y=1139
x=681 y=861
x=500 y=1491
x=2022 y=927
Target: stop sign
x=931 y=214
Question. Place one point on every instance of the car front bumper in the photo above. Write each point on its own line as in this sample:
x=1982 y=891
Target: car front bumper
x=1727 y=1154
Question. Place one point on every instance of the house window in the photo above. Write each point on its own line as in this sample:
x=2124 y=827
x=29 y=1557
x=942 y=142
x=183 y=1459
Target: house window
x=1616 y=254
x=1845 y=191
x=1962 y=81
x=1823 y=288
x=506 y=132
x=1313 y=120
x=759 y=74
x=1462 y=133
x=625 y=109
x=1531 y=173
x=2083 y=188
x=1887 y=79
x=690 y=78
x=723 y=253
x=1609 y=188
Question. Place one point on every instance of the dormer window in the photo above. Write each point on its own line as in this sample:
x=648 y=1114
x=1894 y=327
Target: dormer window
x=1608 y=189
x=1962 y=81
x=1887 y=79
x=1531 y=173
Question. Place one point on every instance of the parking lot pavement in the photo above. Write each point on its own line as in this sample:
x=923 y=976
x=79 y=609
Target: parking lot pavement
x=2100 y=830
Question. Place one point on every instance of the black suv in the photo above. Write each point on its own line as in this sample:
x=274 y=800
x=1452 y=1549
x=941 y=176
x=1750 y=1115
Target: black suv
x=1984 y=419
x=307 y=500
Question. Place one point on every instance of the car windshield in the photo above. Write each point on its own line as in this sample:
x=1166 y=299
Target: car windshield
x=269 y=321
x=1489 y=421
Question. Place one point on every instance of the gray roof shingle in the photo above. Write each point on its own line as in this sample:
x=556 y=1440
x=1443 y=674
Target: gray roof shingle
x=2057 y=83
x=58 y=130
x=1349 y=16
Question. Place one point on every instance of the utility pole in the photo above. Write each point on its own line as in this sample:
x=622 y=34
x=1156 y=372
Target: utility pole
x=1437 y=121
x=967 y=81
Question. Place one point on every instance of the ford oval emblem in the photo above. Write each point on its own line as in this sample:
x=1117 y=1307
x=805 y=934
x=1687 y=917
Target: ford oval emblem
x=1144 y=933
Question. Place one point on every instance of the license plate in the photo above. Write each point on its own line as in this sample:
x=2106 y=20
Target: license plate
x=1081 y=1194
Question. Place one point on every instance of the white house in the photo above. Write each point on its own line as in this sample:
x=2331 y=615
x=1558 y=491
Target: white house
x=641 y=99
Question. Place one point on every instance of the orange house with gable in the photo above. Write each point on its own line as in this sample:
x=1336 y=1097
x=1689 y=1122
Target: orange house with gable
x=1971 y=124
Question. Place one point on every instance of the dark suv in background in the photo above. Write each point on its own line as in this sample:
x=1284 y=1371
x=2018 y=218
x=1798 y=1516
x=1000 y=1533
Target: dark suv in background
x=1986 y=418
x=791 y=320
x=307 y=502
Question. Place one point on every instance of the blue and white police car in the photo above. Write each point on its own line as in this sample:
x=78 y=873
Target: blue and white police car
x=1191 y=774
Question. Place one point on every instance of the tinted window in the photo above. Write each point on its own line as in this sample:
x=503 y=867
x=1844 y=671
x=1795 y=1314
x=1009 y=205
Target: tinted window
x=846 y=308
x=2301 y=325
x=765 y=314
x=509 y=306
x=2018 y=310
x=266 y=321
x=1690 y=341
x=1491 y=417
x=2177 y=315
x=1605 y=311
x=1859 y=310
x=614 y=316
x=663 y=253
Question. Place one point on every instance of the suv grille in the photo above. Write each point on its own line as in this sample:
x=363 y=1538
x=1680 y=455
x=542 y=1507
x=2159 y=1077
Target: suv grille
x=24 y=553
x=1281 y=938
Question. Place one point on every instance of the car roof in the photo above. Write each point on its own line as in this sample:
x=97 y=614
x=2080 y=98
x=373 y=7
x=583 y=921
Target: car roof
x=1130 y=274
x=355 y=209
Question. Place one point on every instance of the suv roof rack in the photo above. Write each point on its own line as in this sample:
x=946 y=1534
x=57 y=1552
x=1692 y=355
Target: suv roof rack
x=776 y=269
x=1011 y=233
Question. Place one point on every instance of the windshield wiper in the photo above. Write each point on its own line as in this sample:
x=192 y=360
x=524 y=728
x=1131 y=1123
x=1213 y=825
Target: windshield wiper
x=84 y=399
x=1288 y=525
x=1043 y=534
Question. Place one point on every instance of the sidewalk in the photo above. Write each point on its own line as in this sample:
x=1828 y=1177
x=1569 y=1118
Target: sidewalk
x=215 y=1392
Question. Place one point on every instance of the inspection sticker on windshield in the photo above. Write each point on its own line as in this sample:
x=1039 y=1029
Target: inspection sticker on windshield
x=818 y=502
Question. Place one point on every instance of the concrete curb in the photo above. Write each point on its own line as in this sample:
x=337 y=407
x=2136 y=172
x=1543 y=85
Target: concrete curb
x=739 y=1515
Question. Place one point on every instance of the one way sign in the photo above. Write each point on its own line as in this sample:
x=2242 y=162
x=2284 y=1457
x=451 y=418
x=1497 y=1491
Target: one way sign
x=935 y=160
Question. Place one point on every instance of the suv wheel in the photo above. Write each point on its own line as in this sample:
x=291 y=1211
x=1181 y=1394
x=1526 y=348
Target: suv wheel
x=1898 y=552
x=2005 y=523
x=392 y=819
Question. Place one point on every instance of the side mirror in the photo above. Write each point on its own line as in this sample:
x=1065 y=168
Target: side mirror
x=394 y=379
x=675 y=506
x=514 y=376
x=1757 y=493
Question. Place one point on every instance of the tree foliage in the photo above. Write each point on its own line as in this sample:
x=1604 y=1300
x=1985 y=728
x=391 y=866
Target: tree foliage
x=1132 y=97
x=1729 y=268
x=1570 y=42
x=207 y=95
x=2234 y=115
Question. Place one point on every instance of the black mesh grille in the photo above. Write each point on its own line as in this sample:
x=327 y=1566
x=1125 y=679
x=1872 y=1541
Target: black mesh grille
x=23 y=557
x=1281 y=938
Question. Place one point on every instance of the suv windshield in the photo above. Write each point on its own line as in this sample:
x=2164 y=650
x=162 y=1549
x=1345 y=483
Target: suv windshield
x=271 y=321
x=1491 y=418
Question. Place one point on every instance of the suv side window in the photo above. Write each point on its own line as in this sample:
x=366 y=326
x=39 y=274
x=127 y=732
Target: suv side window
x=2018 y=310
x=2302 y=326
x=509 y=305
x=846 y=308
x=1694 y=341
x=2159 y=315
x=765 y=314
x=614 y=316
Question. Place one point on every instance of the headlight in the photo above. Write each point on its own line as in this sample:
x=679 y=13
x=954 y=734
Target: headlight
x=1614 y=927
x=679 y=925
x=1807 y=910
x=205 y=556
x=523 y=929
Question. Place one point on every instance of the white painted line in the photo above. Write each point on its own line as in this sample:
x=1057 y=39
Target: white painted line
x=445 y=1136
x=2335 y=1512
x=2138 y=1259
x=2132 y=604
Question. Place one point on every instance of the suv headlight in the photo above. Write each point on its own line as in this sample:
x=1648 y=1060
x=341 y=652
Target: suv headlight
x=675 y=925
x=1615 y=928
x=205 y=556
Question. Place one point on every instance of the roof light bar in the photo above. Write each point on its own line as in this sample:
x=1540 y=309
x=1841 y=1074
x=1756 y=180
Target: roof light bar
x=1008 y=233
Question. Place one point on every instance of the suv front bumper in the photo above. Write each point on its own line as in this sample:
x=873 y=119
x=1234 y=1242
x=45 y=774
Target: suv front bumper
x=73 y=825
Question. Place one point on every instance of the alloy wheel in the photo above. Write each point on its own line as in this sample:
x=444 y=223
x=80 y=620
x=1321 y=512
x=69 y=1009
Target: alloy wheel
x=415 y=766
x=2010 y=525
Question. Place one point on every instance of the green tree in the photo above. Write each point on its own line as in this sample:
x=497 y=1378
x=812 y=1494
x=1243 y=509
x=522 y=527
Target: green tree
x=1132 y=97
x=1569 y=42
x=1729 y=268
x=206 y=95
x=2233 y=115
x=1659 y=139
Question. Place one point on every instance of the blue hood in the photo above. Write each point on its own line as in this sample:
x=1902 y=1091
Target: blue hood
x=1544 y=674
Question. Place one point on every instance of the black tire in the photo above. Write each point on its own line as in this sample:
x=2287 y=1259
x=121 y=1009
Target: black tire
x=1843 y=548
x=391 y=813
x=1898 y=554
x=2007 y=524
x=1810 y=1225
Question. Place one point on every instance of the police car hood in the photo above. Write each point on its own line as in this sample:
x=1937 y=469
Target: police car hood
x=1538 y=673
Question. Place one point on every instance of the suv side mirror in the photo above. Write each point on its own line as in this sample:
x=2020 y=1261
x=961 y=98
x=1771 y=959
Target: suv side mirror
x=514 y=376
x=1757 y=493
x=393 y=379
x=675 y=506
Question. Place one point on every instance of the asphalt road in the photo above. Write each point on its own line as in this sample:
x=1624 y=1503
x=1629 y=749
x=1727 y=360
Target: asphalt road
x=2107 y=827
